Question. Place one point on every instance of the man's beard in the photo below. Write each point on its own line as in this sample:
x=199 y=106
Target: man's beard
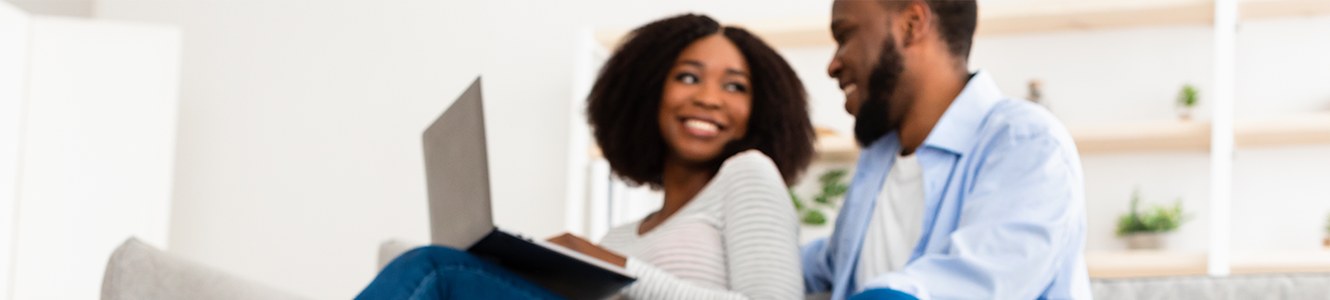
x=874 y=119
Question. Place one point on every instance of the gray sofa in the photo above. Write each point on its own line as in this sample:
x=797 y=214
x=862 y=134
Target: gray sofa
x=1238 y=287
x=138 y=271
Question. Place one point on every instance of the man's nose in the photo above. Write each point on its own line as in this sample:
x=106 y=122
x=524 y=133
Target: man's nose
x=834 y=67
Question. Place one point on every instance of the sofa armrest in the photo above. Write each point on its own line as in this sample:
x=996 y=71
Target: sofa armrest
x=139 y=271
x=393 y=248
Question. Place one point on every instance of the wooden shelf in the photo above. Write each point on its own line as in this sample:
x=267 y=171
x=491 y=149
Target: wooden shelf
x=833 y=147
x=1291 y=130
x=1041 y=16
x=1195 y=136
x=1128 y=264
x=1143 y=137
x=1044 y=16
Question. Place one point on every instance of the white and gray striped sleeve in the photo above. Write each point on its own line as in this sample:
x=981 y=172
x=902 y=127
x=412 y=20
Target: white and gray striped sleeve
x=760 y=241
x=761 y=232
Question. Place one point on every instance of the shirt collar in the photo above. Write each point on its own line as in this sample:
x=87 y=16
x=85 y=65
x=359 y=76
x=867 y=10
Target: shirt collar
x=956 y=131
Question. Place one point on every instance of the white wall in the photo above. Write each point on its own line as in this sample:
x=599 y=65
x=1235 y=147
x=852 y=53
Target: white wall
x=14 y=33
x=96 y=151
x=300 y=122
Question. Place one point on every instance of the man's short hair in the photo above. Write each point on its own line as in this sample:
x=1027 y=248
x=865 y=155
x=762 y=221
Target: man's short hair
x=956 y=20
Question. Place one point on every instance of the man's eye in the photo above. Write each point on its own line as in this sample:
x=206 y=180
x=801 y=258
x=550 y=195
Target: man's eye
x=686 y=78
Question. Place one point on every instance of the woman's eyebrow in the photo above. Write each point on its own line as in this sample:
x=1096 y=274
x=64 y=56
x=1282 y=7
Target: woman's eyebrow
x=699 y=64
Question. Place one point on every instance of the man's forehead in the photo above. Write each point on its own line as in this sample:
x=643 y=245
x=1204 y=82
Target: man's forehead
x=851 y=10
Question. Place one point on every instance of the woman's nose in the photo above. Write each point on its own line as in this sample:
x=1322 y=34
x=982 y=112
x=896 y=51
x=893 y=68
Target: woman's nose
x=708 y=97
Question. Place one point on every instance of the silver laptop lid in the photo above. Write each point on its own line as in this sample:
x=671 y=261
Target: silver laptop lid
x=457 y=172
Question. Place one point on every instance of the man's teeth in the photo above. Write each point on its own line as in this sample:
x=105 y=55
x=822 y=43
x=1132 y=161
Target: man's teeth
x=700 y=125
x=849 y=89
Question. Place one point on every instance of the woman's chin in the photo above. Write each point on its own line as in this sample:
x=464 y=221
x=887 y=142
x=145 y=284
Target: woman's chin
x=699 y=155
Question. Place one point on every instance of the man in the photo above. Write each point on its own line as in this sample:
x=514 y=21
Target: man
x=959 y=192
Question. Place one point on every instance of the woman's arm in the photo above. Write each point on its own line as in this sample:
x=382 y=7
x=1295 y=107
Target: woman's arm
x=761 y=233
x=567 y=240
x=652 y=282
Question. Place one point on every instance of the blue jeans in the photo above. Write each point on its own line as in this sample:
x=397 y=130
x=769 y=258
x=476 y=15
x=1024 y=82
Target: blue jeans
x=883 y=294
x=437 y=273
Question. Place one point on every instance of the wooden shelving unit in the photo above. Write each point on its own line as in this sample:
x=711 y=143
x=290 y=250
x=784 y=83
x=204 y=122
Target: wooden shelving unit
x=1041 y=16
x=1137 y=137
x=1153 y=136
x=1195 y=136
x=1127 y=264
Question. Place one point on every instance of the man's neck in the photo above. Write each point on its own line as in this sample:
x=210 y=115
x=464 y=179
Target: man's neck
x=935 y=93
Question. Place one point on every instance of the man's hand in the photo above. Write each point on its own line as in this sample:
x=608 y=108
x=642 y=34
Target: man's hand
x=580 y=245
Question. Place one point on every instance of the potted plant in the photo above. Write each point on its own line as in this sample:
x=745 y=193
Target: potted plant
x=1145 y=230
x=833 y=189
x=1187 y=100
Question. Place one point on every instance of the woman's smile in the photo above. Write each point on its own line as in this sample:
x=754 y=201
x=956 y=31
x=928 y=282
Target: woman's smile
x=700 y=127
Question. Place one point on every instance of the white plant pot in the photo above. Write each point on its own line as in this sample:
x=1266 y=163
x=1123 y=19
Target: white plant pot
x=1184 y=113
x=1146 y=240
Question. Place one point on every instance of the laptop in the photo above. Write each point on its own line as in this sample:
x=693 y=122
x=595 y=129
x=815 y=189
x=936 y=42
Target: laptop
x=457 y=172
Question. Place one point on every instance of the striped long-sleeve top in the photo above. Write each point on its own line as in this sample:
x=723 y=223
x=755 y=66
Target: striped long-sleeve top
x=737 y=239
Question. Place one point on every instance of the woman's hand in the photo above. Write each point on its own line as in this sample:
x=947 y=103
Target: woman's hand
x=580 y=245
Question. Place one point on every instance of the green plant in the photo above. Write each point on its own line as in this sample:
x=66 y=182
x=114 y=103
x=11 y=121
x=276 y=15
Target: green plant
x=1156 y=219
x=1327 y=224
x=833 y=189
x=1188 y=97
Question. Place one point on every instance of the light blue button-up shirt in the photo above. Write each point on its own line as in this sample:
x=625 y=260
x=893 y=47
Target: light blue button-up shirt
x=1004 y=208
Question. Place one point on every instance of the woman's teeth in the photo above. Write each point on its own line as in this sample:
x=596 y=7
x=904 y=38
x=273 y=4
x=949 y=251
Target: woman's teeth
x=701 y=127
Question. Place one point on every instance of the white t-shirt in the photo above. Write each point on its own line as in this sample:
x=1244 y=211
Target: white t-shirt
x=897 y=221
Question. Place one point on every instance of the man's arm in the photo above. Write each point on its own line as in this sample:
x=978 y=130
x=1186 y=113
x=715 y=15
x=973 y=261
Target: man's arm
x=816 y=261
x=1022 y=211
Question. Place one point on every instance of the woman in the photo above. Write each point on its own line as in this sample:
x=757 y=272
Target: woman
x=718 y=121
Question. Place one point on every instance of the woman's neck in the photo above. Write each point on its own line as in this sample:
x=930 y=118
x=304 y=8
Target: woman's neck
x=681 y=181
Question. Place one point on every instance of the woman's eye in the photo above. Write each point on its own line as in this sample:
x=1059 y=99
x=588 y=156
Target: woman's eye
x=686 y=78
x=736 y=88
